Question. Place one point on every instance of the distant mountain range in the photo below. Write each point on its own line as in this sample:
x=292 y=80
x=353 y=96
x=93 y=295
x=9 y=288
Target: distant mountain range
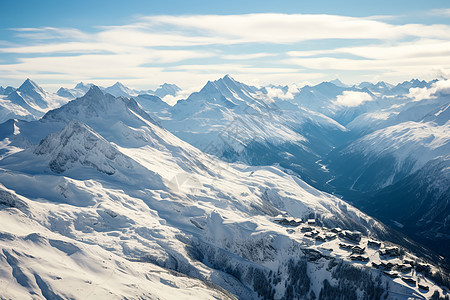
x=119 y=90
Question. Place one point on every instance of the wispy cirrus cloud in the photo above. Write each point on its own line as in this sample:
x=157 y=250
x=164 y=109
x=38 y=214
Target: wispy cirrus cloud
x=247 y=56
x=292 y=28
x=192 y=47
x=423 y=57
x=440 y=12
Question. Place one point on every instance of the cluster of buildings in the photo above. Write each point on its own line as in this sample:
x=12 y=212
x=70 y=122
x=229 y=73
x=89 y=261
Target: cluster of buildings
x=390 y=260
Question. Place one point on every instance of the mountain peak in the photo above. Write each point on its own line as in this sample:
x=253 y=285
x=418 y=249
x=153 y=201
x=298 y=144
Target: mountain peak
x=165 y=85
x=119 y=85
x=34 y=96
x=228 y=77
x=63 y=92
x=83 y=86
x=78 y=144
x=210 y=87
x=94 y=91
x=96 y=104
x=228 y=80
x=118 y=89
x=28 y=86
x=166 y=89
x=339 y=83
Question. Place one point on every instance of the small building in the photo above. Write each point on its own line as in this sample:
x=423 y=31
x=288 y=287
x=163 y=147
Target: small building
x=409 y=279
x=295 y=223
x=345 y=246
x=306 y=229
x=288 y=222
x=405 y=268
x=359 y=258
x=387 y=265
x=330 y=236
x=358 y=249
x=309 y=235
x=353 y=236
x=422 y=268
x=391 y=274
x=408 y=262
x=336 y=230
x=373 y=244
x=393 y=251
x=320 y=238
x=376 y=265
x=311 y=222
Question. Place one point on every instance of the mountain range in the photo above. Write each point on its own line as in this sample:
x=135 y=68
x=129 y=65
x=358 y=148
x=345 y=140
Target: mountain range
x=328 y=191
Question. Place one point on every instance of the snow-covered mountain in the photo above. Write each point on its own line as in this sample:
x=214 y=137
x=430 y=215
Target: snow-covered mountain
x=380 y=87
x=216 y=119
x=405 y=86
x=166 y=89
x=410 y=135
x=319 y=97
x=237 y=122
x=119 y=90
x=417 y=204
x=388 y=155
x=28 y=102
x=78 y=91
x=104 y=202
x=399 y=173
x=7 y=90
x=339 y=83
x=152 y=103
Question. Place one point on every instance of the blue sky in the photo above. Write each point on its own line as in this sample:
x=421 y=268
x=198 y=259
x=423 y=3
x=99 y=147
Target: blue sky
x=146 y=43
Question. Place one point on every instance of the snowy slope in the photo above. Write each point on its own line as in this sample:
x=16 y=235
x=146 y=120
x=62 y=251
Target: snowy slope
x=421 y=207
x=387 y=155
x=46 y=264
x=424 y=98
x=207 y=219
x=402 y=173
x=10 y=110
x=152 y=104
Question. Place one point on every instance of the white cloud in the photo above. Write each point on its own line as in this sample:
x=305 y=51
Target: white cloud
x=273 y=92
x=386 y=69
x=352 y=98
x=440 y=12
x=51 y=33
x=183 y=94
x=156 y=48
x=247 y=56
x=441 y=87
x=416 y=49
x=291 y=28
x=427 y=58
